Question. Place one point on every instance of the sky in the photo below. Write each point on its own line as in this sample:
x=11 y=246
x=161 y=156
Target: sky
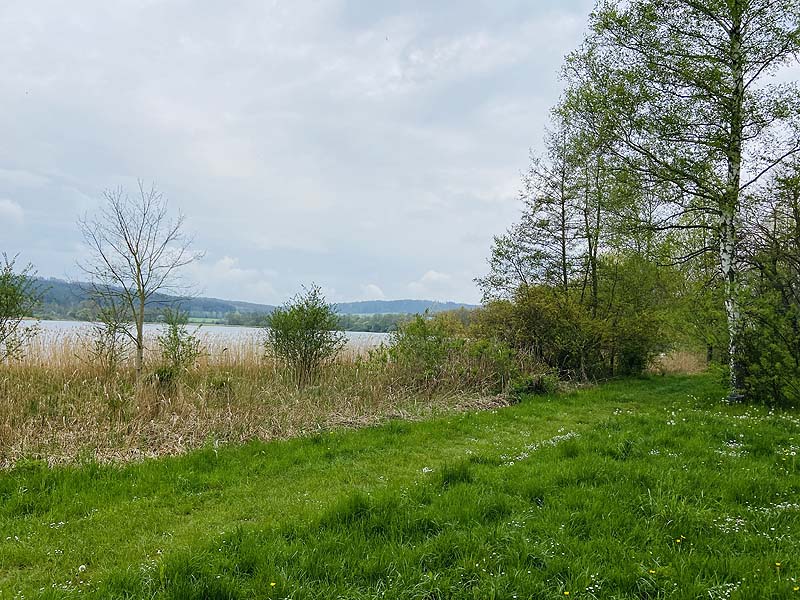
x=370 y=147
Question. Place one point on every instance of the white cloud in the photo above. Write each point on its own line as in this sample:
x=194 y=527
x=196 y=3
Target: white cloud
x=23 y=178
x=224 y=278
x=370 y=291
x=11 y=212
x=433 y=285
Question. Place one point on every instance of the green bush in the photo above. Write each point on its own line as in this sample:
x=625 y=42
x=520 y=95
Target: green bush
x=533 y=385
x=436 y=352
x=578 y=339
x=769 y=351
x=18 y=297
x=304 y=335
x=179 y=348
x=424 y=345
x=551 y=330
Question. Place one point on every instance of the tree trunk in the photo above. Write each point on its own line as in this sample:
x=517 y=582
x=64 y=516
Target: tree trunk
x=563 y=233
x=730 y=207
x=140 y=342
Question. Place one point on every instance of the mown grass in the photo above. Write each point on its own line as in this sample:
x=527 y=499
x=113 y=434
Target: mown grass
x=638 y=489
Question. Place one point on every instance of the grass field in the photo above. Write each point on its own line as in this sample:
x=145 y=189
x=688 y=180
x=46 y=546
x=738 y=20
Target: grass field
x=650 y=488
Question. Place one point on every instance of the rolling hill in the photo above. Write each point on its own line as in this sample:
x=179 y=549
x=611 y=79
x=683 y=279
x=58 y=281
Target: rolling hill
x=69 y=300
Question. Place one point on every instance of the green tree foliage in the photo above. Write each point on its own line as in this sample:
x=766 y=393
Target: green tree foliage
x=684 y=89
x=304 y=334
x=576 y=283
x=545 y=246
x=621 y=337
x=18 y=298
x=769 y=343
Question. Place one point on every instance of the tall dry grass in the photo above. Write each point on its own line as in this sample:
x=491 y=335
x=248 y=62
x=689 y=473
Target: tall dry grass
x=58 y=405
x=679 y=362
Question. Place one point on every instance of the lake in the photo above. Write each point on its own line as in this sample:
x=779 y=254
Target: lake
x=212 y=334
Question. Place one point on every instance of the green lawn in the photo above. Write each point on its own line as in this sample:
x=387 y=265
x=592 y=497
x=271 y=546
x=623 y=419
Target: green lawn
x=637 y=489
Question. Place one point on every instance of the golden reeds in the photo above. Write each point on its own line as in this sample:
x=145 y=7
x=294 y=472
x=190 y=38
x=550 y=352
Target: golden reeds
x=679 y=362
x=58 y=405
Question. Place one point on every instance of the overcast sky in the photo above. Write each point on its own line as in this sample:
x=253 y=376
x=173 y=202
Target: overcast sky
x=371 y=147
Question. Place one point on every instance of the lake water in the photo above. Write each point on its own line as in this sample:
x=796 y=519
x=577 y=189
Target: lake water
x=216 y=334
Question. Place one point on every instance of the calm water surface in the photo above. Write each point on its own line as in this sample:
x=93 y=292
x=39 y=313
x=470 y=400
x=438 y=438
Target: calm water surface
x=218 y=334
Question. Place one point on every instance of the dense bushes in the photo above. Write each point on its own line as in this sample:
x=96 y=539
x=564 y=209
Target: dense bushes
x=440 y=352
x=770 y=352
x=619 y=336
x=543 y=333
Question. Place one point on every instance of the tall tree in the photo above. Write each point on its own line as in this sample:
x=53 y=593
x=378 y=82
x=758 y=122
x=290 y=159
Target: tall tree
x=544 y=247
x=687 y=88
x=136 y=250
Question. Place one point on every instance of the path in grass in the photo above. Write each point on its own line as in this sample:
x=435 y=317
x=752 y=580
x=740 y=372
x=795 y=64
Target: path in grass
x=640 y=489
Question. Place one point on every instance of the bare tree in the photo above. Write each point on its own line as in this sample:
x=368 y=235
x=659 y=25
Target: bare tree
x=136 y=250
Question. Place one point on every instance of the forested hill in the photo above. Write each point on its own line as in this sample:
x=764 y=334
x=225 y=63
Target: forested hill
x=404 y=307
x=66 y=300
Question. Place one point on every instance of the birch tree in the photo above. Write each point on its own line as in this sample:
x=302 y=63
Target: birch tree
x=689 y=90
x=135 y=252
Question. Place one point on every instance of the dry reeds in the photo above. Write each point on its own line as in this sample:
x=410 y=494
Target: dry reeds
x=58 y=405
x=679 y=362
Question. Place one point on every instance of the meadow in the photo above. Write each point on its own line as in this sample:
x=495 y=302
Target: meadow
x=643 y=488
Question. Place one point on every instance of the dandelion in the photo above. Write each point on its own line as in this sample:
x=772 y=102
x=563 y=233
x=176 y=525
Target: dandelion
x=272 y=584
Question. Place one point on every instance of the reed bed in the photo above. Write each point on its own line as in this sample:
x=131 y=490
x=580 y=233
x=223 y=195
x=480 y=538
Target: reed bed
x=59 y=405
x=679 y=362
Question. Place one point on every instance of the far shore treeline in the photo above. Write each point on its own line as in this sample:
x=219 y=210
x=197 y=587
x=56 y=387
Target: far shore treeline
x=63 y=300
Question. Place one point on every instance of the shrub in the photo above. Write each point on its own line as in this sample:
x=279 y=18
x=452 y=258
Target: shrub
x=534 y=385
x=424 y=345
x=769 y=351
x=303 y=334
x=111 y=338
x=552 y=330
x=18 y=297
x=578 y=339
x=434 y=352
x=179 y=348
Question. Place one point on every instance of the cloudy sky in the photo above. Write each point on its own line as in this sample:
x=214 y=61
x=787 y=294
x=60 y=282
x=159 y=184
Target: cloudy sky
x=372 y=147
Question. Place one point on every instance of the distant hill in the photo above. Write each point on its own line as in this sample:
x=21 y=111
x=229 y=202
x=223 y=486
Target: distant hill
x=67 y=300
x=397 y=307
